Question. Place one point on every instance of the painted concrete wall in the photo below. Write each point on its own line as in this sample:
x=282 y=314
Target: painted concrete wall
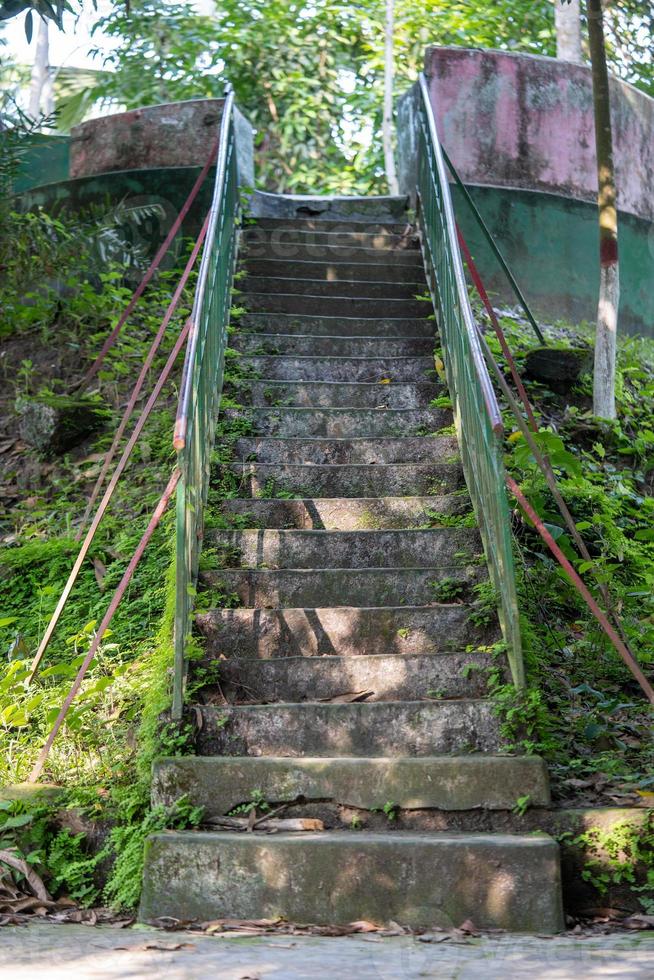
x=551 y=243
x=516 y=120
x=171 y=136
x=180 y=134
x=163 y=189
x=45 y=157
x=520 y=132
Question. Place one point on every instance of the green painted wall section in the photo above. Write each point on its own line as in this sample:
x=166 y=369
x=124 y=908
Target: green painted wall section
x=166 y=188
x=44 y=157
x=551 y=244
x=549 y=241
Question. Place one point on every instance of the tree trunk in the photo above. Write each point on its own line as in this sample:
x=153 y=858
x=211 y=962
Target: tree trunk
x=567 y=20
x=387 y=122
x=609 y=295
x=40 y=70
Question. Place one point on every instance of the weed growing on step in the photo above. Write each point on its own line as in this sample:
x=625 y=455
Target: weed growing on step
x=521 y=805
x=256 y=803
x=448 y=590
x=443 y=401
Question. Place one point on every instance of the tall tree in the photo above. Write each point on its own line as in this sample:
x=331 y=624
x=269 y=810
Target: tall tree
x=387 y=120
x=567 y=18
x=609 y=293
x=41 y=96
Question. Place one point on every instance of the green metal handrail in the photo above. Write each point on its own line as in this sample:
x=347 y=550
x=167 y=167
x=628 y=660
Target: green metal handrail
x=201 y=386
x=476 y=411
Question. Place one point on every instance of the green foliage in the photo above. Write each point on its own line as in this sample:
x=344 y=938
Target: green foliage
x=256 y=803
x=622 y=854
x=309 y=75
x=49 y=10
x=127 y=842
x=591 y=716
x=448 y=590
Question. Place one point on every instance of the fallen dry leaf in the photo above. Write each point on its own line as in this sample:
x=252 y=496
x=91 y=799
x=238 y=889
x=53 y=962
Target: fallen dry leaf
x=166 y=947
x=639 y=921
x=362 y=925
x=30 y=875
x=349 y=697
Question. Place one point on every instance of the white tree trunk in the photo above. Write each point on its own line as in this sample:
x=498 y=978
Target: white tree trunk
x=568 y=31
x=40 y=71
x=387 y=121
x=605 y=342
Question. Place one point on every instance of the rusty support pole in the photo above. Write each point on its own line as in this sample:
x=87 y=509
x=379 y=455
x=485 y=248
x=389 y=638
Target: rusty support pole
x=581 y=588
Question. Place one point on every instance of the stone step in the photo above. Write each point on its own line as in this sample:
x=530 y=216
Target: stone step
x=340 y=306
x=384 y=677
x=272 y=449
x=388 y=271
x=348 y=480
x=374 y=289
x=337 y=394
x=275 y=548
x=347 y=513
x=341 y=631
x=309 y=346
x=282 y=239
x=312 y=587
x=379 y=728
x=266 y=249
x=499 y=881
x=374 y=207
x=373 y=224
x=354 y=369
x=464 y=782
x=339 y=423
x=334 y=326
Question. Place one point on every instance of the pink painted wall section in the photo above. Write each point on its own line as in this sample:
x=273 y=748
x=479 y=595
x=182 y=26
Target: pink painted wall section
x=179 y=134
x=524 y=121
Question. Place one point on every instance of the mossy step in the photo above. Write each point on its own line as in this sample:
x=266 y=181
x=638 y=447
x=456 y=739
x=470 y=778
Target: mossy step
x=248 y=343
x=383 y=677
x=463 y=782
x=341 y=306
x=311 y=587
x=323 y=208
x=317 y=548
x=347 y=513
x=497 y=881
x=336 y=326
x=381 y=728
x=347 y=480
x=283 y=238
x=329 y=271
x=380 y=369
x=319 y=450
x=372 y=225
x=340 y=423
x=337 y=394
x=341 y=631
x=266 y=248
x=368 y=289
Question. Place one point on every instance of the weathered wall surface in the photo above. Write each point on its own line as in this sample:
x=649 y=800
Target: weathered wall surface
x=515 y=120
x=180 y=134
x=551 y=243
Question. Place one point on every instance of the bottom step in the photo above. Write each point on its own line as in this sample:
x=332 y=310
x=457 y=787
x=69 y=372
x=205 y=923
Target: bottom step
x=419 y=880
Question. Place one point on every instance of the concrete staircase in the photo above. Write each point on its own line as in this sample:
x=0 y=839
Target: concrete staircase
x=350 y=678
